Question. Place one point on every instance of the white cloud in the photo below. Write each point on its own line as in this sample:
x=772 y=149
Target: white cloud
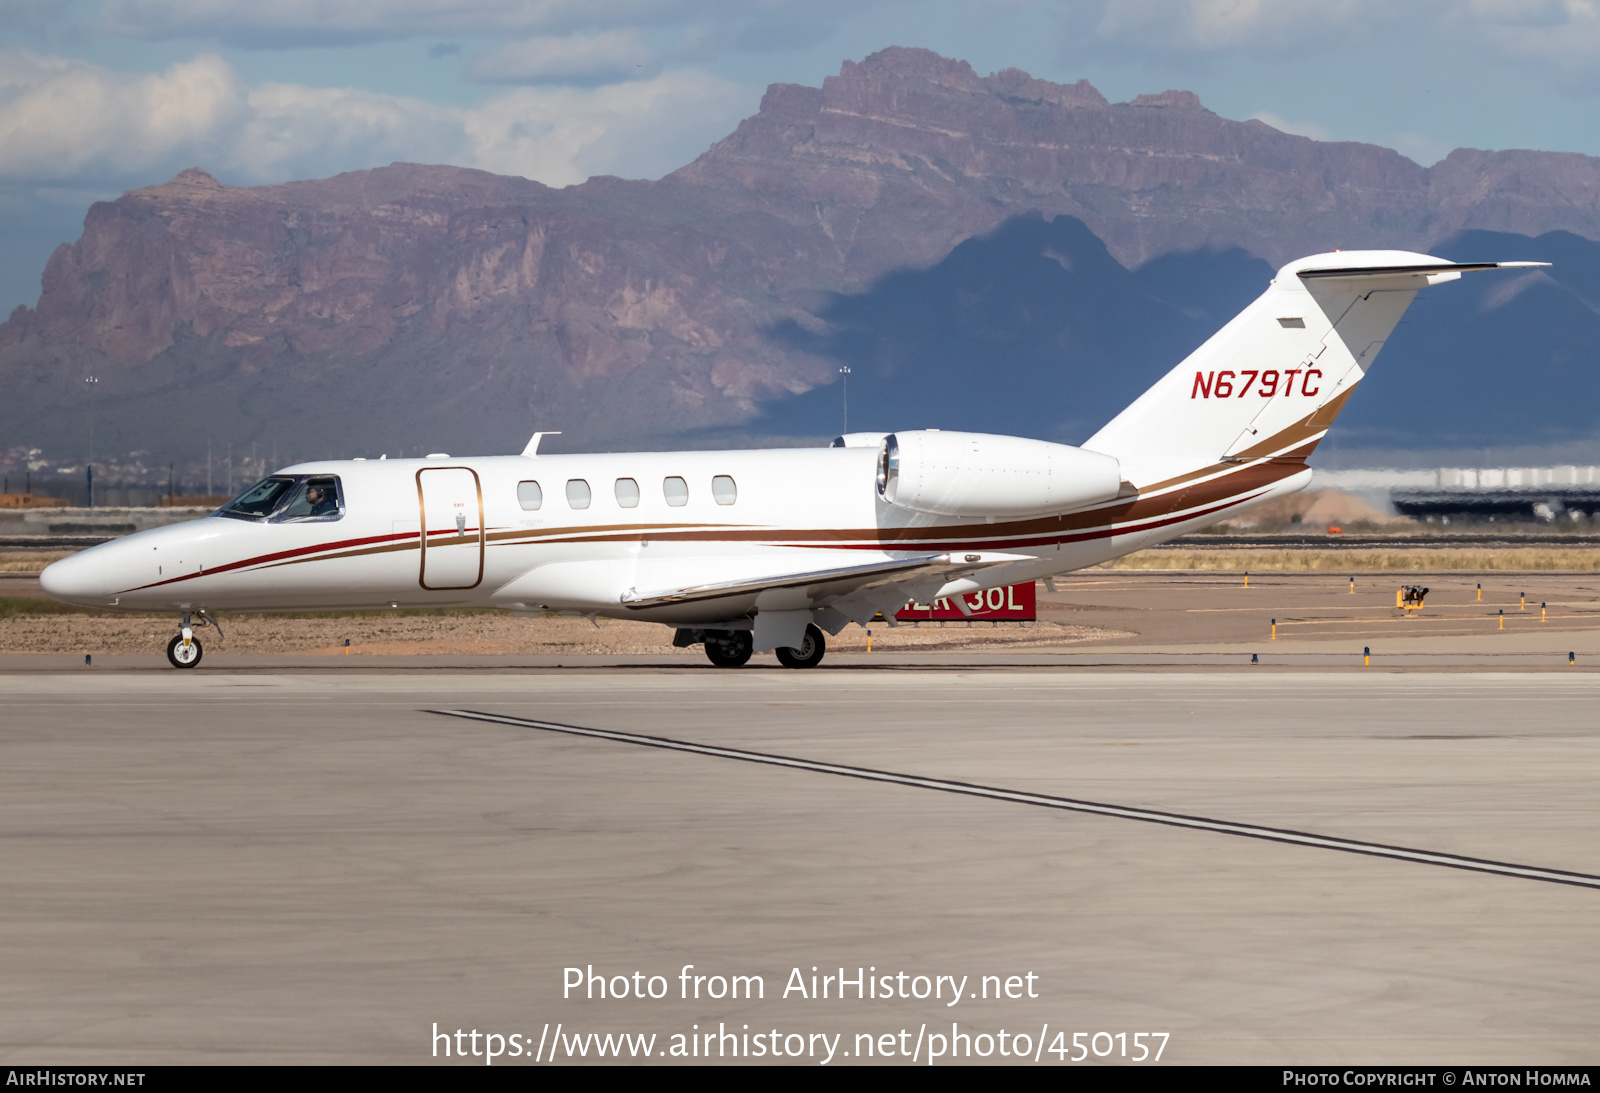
x=1209 y=26
x=610 y=55
x=66 y=120
x=309 y=22
x=748 y=24
x=289 y=131
x=61 y=118
x=1298 y=128
x=1560 y=36
x=564 y=135
x=1562 y=33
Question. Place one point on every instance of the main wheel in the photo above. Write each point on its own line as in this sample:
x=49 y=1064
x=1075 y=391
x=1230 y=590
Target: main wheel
x=809 y=655
x=730 y=648
x=181 y=655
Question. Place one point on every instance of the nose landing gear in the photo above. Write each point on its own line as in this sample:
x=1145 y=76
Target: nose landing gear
x=184 y=650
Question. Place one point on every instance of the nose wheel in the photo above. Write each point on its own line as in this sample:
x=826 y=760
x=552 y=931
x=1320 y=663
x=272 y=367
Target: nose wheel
x=184 y=652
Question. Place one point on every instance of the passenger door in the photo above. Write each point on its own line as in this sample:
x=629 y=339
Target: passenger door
x=451 y=503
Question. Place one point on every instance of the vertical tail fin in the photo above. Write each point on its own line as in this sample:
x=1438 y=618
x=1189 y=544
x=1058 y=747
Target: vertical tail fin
x=1267 y=385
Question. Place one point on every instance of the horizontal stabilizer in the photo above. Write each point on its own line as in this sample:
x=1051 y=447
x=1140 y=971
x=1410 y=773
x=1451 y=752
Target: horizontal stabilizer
x=1318 y=273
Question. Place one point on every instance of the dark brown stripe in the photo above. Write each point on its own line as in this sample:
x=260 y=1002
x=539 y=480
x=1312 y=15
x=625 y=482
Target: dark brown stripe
x=1234 y=484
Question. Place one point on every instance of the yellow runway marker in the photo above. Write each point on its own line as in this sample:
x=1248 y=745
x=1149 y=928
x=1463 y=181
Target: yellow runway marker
x=1236 y=610
x=1429 y=621
x=1464 y=631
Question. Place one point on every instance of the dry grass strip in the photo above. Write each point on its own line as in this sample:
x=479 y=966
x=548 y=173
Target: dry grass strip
x=29 y=561
x=481 y=634
x=1378 y=559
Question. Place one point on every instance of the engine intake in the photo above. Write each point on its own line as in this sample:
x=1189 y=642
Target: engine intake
x=981 y=474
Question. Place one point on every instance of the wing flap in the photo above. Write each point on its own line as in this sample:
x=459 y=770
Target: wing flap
x=823 y=585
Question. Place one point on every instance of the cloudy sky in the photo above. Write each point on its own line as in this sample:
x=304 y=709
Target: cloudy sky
x=100 y=96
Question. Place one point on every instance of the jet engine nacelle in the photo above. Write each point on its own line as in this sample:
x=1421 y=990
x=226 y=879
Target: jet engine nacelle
x=980 y=474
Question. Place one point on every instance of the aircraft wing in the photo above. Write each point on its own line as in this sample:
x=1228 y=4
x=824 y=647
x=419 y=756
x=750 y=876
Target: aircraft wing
x=821 y=586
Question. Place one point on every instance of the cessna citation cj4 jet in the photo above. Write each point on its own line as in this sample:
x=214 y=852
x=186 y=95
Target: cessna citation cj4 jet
x=754 y=551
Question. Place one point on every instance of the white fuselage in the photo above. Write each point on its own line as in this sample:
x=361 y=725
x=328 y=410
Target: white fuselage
x=779 y=540
x=791 y=510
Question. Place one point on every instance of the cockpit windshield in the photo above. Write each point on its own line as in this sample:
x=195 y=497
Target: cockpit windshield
x=260 y=500
x=288 y=498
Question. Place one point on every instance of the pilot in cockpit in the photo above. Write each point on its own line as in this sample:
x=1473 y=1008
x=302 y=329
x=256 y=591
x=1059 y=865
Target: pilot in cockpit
x=321 y=500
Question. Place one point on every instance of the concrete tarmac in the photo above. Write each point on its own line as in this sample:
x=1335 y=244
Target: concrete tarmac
x=285 y=866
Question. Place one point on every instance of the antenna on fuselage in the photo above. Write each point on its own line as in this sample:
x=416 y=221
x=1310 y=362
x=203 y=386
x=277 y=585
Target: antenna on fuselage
x=533 y=445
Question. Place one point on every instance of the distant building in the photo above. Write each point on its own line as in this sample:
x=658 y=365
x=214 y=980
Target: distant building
x=1539 y=493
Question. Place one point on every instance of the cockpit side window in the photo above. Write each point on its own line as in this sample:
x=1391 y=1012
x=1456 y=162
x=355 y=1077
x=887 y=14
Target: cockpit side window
x=317 y=498
x=260 y=500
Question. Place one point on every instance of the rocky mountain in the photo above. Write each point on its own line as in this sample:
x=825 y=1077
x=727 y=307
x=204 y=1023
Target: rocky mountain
x=415 y=308
x=1035 y=330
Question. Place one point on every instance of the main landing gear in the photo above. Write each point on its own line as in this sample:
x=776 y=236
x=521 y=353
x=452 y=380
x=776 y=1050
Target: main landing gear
x=809 y=655
x=729 y=648
x=732 y=648
x=184 y=650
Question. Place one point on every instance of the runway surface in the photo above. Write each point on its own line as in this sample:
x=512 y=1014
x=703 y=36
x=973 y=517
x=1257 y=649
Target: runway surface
x=277 y=865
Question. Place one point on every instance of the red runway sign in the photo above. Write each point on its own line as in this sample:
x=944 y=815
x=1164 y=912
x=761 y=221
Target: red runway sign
x=1017 y=603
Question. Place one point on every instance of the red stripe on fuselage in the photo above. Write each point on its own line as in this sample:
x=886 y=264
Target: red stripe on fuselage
x=1106 y=532
x=299 y=552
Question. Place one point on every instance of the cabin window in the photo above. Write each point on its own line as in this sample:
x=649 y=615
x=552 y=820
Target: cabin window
x=723 y=490
x=529 y=495
x=676 y=491
x=627 y=493
x=577 y=493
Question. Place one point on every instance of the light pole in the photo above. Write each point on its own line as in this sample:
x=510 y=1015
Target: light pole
x=92 y=383
x=845 y=372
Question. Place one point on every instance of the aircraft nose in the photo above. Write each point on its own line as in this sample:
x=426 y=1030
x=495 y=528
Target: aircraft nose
x=79 y=578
